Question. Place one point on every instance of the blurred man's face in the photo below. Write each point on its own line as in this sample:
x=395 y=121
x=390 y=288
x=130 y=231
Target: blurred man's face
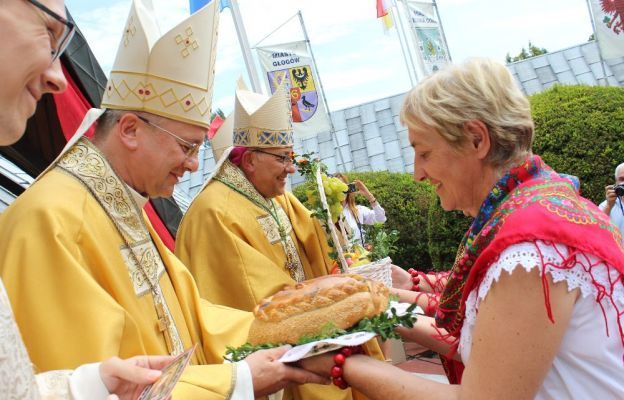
x=29 y=36
x=619 y=177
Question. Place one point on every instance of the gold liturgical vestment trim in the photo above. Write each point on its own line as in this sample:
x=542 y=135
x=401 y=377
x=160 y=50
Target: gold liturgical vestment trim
x=85 y=163
x=275 y=224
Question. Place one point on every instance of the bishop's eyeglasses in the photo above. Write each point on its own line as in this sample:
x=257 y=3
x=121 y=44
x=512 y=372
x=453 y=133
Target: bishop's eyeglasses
x=287 y=159
x=189 y=149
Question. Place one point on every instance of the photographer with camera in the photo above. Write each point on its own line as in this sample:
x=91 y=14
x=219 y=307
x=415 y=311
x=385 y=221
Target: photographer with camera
x=612 y=206
x=356 y=215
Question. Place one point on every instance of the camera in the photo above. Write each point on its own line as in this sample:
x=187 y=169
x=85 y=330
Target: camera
x=352 y=189
x=619 y=190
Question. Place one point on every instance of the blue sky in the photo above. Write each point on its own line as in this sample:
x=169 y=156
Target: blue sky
x=357 y=61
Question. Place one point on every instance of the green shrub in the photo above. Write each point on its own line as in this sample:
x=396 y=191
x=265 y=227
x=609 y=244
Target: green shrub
x=445 y=231
x=579 y=130
x=407 y=205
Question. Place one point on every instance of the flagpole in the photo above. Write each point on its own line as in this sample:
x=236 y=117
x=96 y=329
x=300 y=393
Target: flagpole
x=320 y=83
x=448 y=52
x=411 y=67
x=591 y=17
x=274 y=30
x=244 y=44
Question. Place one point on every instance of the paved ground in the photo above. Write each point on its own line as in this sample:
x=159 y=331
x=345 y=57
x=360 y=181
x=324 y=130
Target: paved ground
x=423 y=363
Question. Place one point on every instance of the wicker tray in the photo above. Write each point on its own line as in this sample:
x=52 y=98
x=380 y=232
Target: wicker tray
x=380 y=270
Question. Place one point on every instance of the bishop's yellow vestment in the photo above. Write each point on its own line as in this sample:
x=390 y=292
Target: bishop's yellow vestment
x=241 y=248
x=79 y=279
x=233 y=247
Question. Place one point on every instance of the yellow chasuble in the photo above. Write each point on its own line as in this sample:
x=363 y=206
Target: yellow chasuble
x=230 y=240
x=76 y=254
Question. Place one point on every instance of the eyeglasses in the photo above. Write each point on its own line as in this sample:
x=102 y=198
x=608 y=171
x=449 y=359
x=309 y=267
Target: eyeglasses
x=68 y=30
x=189 y=149
x=286 y=160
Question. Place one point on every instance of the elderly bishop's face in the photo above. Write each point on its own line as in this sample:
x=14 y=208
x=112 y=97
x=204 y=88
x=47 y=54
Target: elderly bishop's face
x=273 y=165
x=29 y=37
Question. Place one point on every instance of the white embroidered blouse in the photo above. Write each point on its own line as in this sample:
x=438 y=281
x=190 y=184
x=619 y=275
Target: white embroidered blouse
x=589 y=363
x=366 y=216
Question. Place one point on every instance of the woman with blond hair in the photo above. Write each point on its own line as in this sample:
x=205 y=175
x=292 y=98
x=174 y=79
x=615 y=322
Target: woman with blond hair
x=355 y=215
x=534 y=302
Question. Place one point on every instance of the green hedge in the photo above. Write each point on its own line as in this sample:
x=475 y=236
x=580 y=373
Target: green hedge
x=409 y=208
x=445 y=231
x=579 y=130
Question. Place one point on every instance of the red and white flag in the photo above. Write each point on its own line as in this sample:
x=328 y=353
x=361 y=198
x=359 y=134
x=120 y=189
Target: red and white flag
x=609 y=26
x=384 y=11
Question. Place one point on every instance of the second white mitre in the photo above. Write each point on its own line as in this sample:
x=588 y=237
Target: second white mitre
x=262 y=121
x=171 y=76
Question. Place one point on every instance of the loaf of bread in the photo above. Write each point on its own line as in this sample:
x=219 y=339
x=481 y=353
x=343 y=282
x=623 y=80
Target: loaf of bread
x=306 y=307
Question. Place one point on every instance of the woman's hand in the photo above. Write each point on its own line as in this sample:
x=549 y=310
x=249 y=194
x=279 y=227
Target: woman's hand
x=126 y=379
x=401 y=279
x=361 y=187
x=320 y=365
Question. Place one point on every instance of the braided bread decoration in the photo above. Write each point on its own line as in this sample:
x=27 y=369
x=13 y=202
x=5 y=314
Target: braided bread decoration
x=306 y=307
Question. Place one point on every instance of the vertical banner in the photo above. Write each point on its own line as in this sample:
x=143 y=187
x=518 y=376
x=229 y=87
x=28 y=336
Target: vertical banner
x=427 y=34
x=609 y=26
x=293 y=63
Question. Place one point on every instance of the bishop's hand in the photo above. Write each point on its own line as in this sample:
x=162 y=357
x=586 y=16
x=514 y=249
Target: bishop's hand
x=270 y=375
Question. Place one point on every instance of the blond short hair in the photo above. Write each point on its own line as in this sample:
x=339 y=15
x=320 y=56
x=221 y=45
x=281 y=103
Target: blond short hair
x=479 y=89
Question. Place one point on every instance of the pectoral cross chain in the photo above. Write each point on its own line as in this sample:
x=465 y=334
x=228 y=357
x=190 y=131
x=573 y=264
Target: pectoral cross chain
x=163 y=325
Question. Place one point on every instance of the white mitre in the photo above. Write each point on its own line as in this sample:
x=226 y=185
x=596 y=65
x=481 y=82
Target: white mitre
x=261 y=121
x=222 y=139
x=170 y=75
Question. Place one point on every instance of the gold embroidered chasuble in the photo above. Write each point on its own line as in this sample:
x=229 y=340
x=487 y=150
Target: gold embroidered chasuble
x=276 y=225
x=71 y=271
x=232 y=242
x=232 y=247
x=141 y=256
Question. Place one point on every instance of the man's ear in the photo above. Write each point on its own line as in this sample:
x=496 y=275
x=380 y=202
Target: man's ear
x=478 y=137
x=248 y=162
x=127 y=130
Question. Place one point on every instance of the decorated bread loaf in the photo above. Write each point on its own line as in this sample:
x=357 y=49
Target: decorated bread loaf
x=306 y=307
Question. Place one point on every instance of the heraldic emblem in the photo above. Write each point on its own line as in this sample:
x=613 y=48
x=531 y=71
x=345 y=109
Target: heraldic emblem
x=614 y=14
x=300 y=84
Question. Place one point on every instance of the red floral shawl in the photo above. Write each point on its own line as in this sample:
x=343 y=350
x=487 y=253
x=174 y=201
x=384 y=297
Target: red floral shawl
x=532 y=202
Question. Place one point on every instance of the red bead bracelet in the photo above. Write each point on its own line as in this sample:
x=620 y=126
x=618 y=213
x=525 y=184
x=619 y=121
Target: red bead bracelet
x=336 y=371
x=415 y=279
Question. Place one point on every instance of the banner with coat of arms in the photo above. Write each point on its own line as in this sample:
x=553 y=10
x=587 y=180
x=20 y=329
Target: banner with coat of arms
x=609 y=26
x=428 y=36
x=293 y=63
